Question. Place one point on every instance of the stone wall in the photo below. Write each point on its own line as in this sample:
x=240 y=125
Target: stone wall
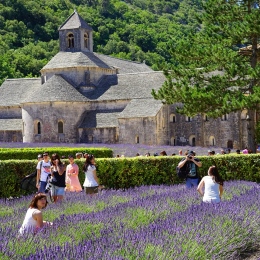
x=11 y=136
x=49 y=115
x=137 y=130
x=227 y=131
x=10 y=112
x=98 y=135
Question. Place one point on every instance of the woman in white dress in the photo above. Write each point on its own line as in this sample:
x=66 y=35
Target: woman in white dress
x=213 y=184
x=33 y=220
x=91 y=183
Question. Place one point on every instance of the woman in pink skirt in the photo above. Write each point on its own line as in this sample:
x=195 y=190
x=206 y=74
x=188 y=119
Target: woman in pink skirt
x=72 y=180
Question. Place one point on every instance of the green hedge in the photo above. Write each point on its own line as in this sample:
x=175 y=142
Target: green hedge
x=31 y=153
x=130 y=172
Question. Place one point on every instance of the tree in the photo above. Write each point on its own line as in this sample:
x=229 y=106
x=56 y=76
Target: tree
x=216 y=70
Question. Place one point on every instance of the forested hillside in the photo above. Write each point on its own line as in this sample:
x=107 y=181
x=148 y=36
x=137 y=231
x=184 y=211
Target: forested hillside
x=137 y=30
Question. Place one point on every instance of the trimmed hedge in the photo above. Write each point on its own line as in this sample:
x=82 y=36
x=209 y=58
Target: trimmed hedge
x=31 y=153
x=125 y=173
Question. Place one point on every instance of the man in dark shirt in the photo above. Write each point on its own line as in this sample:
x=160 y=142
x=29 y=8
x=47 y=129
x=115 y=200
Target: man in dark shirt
x=193 y=164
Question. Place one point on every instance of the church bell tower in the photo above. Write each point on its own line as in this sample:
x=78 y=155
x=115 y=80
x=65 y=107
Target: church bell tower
x=75 y=35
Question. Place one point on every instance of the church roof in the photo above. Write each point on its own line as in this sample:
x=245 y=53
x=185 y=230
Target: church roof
x=124 y=66
x=74 y=21
x=13 y=91
x=55 y=89
x=75 y=59
x=141 y=108
x=100 y=119
x=131 y=86
x=11 y=124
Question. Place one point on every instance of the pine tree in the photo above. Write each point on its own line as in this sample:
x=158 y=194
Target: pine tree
x=216 y=70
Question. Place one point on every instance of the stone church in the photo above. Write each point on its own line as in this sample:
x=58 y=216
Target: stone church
x=87 y=97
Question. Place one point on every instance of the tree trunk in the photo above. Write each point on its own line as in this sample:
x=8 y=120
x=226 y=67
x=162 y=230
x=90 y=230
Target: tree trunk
x=251 y=129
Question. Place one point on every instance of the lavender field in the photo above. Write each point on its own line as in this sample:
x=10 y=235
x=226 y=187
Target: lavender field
x=128 y=150
x=148 y=222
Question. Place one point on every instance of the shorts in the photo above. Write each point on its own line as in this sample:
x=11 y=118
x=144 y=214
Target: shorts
x=57 y=191
x=91 y=190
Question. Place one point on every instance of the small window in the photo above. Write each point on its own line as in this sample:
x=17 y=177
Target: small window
x=224 y=117
x=212 y=141
x=188 y=119
x=86 y=37
x=244 y=114
x=39 y=130
x=172 y=118
x=70 y=40
x=137 y=139
x=173 y=141
x=90 y=138
x=60 y=127
x=230 y=144
x=192 y=140
x=205 y=118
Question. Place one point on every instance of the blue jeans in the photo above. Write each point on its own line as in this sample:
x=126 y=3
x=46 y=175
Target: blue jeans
x=42 y=186
x=191 y=182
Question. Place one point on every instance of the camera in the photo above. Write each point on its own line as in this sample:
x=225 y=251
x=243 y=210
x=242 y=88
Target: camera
x=48 y=187
x=49 y=184
x=190 y=157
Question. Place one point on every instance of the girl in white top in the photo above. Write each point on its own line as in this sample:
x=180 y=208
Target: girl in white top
x=33 y=220
x=213 y=186
x=91 y=182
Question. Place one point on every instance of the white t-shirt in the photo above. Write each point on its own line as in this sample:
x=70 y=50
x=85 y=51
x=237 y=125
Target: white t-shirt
x=89 y=177
x=29 y=224
x=211 y=193
x=45 y=169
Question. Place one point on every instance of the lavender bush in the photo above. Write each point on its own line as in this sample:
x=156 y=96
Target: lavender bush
x=149 y=222
x=128 y=150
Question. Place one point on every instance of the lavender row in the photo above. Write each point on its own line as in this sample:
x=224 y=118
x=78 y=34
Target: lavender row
x=153 y=222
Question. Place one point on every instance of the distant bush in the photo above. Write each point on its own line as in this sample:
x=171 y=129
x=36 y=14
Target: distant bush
x=31 y=153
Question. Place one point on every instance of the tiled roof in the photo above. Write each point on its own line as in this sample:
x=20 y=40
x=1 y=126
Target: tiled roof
x=75 y=59
x=13 y=91
x=74 y=21
x=100 y=119
x=11 y=124
x=141 y=108
x=55 y=89
x=133 y=85
x=124 y=66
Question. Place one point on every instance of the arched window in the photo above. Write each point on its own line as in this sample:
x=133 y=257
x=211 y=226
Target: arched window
x=205 y=118
x=60 y=127
x=137 y=139
x=39 y=130
x=173 y=141
x=244 y=114
x=230 y=144
x=172 y=118
x=192 y=140
x=212 y=141
x=70 y=40
x=224 y=117
x=86 y=37
x=188 y=119
x=90 y=138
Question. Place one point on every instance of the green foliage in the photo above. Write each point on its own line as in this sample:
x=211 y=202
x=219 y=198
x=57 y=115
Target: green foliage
x=135 y=30
x=207 y=73
x=124 y=173
x=31 y=153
